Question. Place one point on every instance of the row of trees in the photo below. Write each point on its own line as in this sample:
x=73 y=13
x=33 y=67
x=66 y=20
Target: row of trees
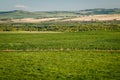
x=60 y=26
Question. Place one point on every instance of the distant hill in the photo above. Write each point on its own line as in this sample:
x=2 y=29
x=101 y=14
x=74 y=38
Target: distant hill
x=99 y=11
x=39 y=14
x=18 y=14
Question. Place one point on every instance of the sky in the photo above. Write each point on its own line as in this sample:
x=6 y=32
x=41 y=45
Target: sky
x=56 y=5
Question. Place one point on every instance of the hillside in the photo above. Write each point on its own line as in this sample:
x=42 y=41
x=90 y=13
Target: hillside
x=18 y=14
x=100 y=17
x=99 y=11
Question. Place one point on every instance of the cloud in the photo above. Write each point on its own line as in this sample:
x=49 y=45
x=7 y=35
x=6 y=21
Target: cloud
x=20 y=6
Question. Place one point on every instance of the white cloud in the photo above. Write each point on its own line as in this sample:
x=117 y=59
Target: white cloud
x=20 y=6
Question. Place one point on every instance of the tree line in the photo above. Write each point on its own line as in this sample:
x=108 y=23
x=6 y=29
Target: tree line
x=69 y=26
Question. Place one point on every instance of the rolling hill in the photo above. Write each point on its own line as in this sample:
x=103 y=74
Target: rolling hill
x=18 y=14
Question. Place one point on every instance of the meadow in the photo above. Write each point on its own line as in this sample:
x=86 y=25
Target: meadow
x=60 y=65
x=90 y=55
x=88 y=51
x=89 y=40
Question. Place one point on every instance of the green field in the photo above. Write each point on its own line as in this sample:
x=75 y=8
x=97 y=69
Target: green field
x=54 y=65
x=89 y=40
x=89 y=55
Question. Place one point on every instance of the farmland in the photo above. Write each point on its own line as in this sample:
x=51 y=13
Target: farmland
x=63 y=65
x=60 y=51
x=89 y=40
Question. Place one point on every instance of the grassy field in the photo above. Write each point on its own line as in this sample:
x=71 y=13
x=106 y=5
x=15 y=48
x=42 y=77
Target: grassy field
x=90 y=40
x=55 y=65
x=91 y=55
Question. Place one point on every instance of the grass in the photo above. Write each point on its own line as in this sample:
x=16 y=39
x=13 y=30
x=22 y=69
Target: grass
x=91 y=55
x=55 y=65
x=102 y=40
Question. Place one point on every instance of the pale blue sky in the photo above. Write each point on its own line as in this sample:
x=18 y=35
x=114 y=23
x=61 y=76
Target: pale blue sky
x=53 y=5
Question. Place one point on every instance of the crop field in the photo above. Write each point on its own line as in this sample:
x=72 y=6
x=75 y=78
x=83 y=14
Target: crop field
x=54 y=65
x=88 y=55
x=89 y=40
x=59 y=40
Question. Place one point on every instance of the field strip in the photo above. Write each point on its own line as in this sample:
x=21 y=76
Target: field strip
x=30 y=32
x=96 y=18
x=32 y=20
x=57 y=50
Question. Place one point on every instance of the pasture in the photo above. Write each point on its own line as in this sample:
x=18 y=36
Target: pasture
x=55 y=65
x=89 y=55
x=89 y=40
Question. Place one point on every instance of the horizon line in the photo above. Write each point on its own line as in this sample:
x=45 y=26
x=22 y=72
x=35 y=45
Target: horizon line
x=53 y=10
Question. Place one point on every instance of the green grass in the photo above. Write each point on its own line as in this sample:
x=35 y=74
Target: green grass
x=55 y=65
x=90 y=55
x=90 y=40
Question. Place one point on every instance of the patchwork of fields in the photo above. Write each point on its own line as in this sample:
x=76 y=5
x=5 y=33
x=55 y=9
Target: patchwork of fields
x=59 y=44
x=96 y=18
